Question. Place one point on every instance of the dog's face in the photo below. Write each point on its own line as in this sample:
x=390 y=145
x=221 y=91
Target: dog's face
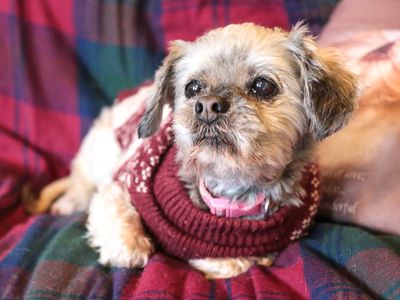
x=244 y=98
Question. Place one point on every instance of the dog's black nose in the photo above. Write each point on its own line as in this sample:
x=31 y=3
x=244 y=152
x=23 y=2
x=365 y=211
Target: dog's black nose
x=208 y=109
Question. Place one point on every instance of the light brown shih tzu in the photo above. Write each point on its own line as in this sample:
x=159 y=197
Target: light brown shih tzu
x=248 y=105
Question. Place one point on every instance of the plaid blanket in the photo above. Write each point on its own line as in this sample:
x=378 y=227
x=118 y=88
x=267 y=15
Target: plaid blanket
x=48 y=258
x=61 y=61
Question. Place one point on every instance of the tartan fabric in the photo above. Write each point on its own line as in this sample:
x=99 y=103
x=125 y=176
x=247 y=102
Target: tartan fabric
x=61 y=61
x=48 y=258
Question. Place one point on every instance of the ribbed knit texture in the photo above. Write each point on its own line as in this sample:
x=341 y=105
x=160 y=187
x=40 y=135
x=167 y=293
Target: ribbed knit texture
x=183 y=230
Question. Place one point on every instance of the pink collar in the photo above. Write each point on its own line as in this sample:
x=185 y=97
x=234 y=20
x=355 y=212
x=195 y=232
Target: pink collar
x=221 y=206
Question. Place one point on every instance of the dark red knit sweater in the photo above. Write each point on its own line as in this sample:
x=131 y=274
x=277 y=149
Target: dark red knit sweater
x=183 y=230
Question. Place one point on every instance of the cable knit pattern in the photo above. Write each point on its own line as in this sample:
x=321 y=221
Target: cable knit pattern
x=185 y=231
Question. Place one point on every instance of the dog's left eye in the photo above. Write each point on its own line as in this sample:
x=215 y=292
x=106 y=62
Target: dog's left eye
x=192 y=88
x=263 y=88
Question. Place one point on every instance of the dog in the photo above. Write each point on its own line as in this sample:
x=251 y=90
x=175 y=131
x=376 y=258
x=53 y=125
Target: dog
x=248 y=103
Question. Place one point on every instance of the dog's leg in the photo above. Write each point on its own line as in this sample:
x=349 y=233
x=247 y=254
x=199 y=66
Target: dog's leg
x=92 y=167
x=115 y=229
x=215 y=268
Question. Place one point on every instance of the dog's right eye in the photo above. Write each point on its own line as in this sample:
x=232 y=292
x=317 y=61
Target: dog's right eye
x=192 y=89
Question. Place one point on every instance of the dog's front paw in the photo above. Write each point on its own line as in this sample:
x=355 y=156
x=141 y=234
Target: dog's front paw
x=115 y=230
x=117 y=251
x=214 y=268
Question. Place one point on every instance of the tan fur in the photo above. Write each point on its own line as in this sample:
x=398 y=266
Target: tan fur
x=114 y=227
x=229 y=267
x=46 y=197
x=257 y=145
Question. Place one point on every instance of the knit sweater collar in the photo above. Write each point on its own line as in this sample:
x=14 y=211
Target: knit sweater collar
x=183 y=230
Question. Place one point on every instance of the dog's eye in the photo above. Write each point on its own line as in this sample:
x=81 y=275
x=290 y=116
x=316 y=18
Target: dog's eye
x=263 y=88
x=192 y=88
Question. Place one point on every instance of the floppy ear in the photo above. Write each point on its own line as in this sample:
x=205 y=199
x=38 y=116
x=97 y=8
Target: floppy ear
x=329 y=88
x=163 y=91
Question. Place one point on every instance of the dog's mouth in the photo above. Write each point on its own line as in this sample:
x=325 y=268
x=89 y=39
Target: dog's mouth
x=213 y=138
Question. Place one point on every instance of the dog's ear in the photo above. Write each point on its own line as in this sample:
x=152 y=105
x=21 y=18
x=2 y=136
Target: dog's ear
x=163 y=91
x=329 y=88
